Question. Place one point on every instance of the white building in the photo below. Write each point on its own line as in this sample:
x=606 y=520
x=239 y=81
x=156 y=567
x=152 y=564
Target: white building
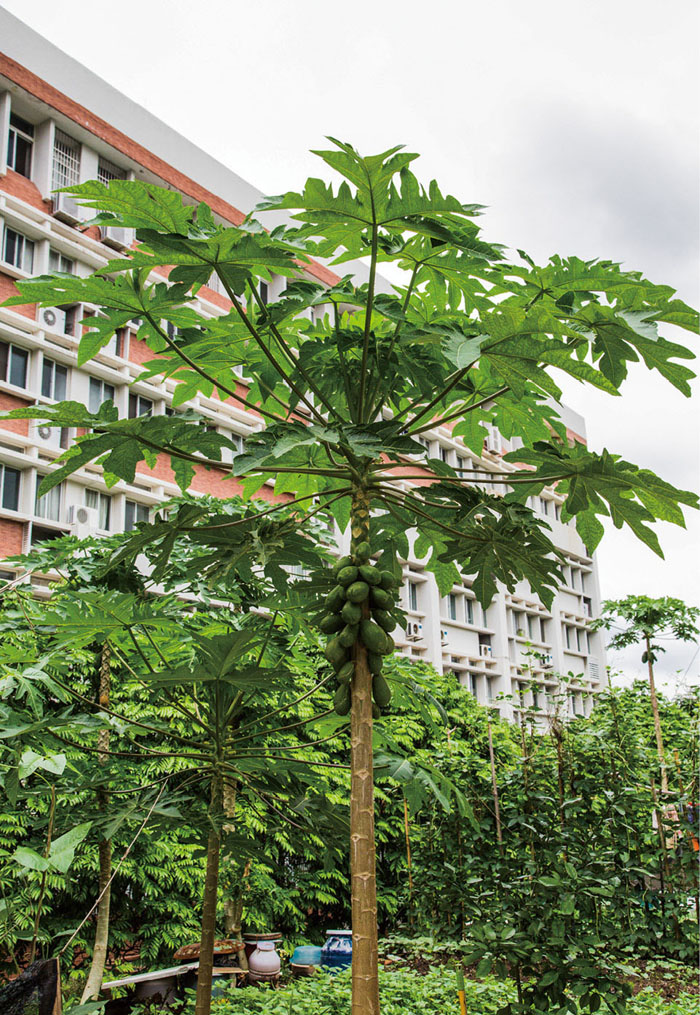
x=60 y=124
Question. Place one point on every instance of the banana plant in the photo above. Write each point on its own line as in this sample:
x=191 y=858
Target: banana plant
x=349 y=377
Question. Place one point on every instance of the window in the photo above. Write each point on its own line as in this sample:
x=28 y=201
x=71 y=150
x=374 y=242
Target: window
x=54 y=380
x=239 y=443
x=471 y=683
x=529 y=626
x=557 y=511
x=484 y=617
x=579 y=639
x=107 y=171
x=133 y=514
x=48 y=506
x=19 y=146
x=567 y=635
x=452 y=606
x=469 y=611
x=18 y=251
x=9 y=488
x=100 y=392
x=66 y=161
x=13 y=364
x=59 y=262
x=543 y=630
x=413 y=596
x=264 y=293
x=424 y=441
x=544 y=505
x=462 y=466
x=139 y=406
x=444 y=454
x=102 y=503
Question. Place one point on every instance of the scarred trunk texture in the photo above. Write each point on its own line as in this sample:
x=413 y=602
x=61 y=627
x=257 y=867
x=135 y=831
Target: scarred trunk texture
x=657 y=722
x=211 y=884
x=91 y=991
x=365 y=977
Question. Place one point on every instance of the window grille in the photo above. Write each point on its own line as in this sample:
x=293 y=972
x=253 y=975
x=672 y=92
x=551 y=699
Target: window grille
x=66 y=161
x=107 y=171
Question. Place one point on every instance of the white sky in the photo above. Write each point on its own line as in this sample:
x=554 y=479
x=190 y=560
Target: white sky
x=576 y=124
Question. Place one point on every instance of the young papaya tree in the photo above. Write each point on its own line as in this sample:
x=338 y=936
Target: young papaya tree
x=474 y=338
x=637 y=620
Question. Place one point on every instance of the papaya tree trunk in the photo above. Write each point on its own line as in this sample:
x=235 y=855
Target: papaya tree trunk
x=211 y=883
x=365 y=973
x=657 y=720
x=92 y=987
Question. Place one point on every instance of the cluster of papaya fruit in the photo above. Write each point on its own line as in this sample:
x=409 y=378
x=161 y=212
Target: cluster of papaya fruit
x=359 y=608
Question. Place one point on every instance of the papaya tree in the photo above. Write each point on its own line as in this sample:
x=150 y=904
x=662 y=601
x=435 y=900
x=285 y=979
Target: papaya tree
x=642 y=620
x=349 y=377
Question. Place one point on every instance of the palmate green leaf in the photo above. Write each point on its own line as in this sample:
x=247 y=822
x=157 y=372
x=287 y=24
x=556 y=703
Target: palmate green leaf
x=62 y=850
x=136 y=205
x=604 y=485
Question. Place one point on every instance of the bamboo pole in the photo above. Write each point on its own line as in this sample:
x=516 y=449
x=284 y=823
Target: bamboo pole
x=494 y=789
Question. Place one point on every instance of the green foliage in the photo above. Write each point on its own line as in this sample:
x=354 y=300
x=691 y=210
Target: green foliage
x=636 y=619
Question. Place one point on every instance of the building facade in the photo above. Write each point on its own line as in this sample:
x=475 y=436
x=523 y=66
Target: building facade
x=60 y=125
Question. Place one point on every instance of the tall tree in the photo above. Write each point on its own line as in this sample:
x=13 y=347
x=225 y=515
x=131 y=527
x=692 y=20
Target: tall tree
x=471 y=340
x=641 y=620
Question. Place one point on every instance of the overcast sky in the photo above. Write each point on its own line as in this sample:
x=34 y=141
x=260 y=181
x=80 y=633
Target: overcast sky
x=576 y=125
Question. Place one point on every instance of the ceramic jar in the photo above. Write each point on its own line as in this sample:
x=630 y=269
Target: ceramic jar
x=264 y=962
x=337 y=951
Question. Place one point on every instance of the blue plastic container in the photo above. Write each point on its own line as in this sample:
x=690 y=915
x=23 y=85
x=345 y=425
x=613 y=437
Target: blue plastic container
x=337 y=951
x=307 y=955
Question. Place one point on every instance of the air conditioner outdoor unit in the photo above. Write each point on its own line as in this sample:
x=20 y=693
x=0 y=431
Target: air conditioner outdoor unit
x=117 y=236
x=414 y=631
x=83 y=521
x=53 y=318
x=444 y=637
x=485 y=650
x=49 y=436
x=67 y=209
x=547 y=661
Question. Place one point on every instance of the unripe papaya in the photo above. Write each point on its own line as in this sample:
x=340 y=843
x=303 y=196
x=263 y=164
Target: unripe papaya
x=335 y=599
x=369 y=574
x=357 y=592
x=345 y=673
x=389 y=644
x=376 y=711
x=343 y=562
x=386 y=580
x=335 y=653
x=381 y=599
x=381 y=692
x=375 y=662
x=347 y=575
x=373 y=636
x=351 y=613
x=348 y=636
x=341 y=699
x=362 y=552
x=385 y=620
x=331 y=623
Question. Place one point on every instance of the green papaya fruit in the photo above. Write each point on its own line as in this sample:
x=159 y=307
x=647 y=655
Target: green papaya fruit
x=385 y=620
x=381 y=599
x=645 y=657
x=386 y=580
x=373 y=636
x=348 y=636
x=369 y=574
x=341 y=699
x=389 y=644
x=331 y=623
x=347 y=575
x=357 y=592
x=362 y=552
x=335 y=653
x=343 y=562
x=375 y=662
x=376 y=711
x=345 y=673
x=335 y=599
x=381 y=692
x=351 y=613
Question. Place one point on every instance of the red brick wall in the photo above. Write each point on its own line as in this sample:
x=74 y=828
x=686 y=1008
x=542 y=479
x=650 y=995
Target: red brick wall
x=8 y=402
x=10 y=537
x=8 y=289
x=19 y=186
